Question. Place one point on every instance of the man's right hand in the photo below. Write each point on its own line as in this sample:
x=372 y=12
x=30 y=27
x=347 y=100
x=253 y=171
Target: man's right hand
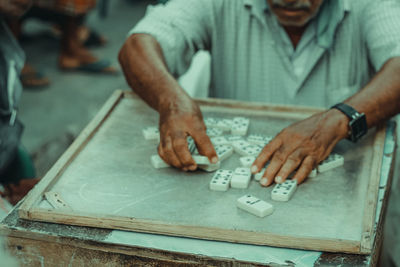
x=14 y=8
x=178 y=120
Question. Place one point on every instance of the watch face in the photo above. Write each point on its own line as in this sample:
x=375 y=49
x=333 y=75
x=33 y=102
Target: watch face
x=358 y=127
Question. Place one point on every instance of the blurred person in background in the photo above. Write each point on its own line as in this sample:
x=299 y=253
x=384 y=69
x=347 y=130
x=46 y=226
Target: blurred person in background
x=16 y=169
x=68 y=17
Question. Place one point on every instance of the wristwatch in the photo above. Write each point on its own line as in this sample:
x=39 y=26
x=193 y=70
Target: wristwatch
x=358 y=122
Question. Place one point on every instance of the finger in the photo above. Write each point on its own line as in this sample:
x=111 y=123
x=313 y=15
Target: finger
x=292 y=162
x=277 y=161
x=306 y=167
x=167 y=153
x=180 y=146
x=265 y=155
x=204 y=146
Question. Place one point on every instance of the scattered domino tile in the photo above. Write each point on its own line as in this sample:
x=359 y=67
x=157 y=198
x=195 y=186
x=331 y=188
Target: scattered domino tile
x=313 y=173
x=251 y=150
x=221 y=180
x=241 y=178
x=224 y=124
x=333 y=161
x=258 y=139
x=247 y=161
x=151 y=133
x=223 y=151
x=210 y=167
x=210 y=122
x=232 y=138
x=212 y=132
x=201 y=160
x=254 y=206
x=284 y=191
x=239 y=145
x=219 y=140
x=158 y=162
x=191 y=144
x=240 y=126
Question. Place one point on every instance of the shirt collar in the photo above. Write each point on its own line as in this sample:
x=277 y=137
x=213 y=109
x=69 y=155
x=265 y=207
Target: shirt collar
x=328 y=19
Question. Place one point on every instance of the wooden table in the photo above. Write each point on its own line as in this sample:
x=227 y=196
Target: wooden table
x=48 y=244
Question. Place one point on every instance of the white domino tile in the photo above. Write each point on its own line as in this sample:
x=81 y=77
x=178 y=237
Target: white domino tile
x=221 y=180
x=333 y=161
x=251 y=150
x=210 y=122
x=245 y=149
x=191 y=144
x=241 y=178
x=151 y=133
x=224 y=124
x=284 y=191
x=223 y=151
x=313 y=173
x=212 y=132
x=240 y=126
x=247 y=161
x=157 y=162
x=210 y=167
x=258 y=139
x=219 y=140
x=201 y=160
x=239 y=145
x=233 y=138
x=255 y=206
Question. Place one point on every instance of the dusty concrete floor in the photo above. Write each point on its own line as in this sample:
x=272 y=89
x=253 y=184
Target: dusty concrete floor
x=72 y=99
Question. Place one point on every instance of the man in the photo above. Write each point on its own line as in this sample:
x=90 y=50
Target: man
x=304 y=52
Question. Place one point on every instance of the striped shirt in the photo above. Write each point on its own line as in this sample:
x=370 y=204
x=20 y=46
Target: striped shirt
x=252 y=58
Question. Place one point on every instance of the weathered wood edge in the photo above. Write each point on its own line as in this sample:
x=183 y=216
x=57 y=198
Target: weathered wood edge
x=208 y=233
x=36 y=194
x=173 y=257
x=367 y=235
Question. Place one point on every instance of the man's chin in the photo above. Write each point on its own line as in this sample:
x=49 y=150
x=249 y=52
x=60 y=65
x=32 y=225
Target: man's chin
x=293 y=23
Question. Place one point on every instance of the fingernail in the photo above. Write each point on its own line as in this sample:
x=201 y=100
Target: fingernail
x=254 y=169
x=264 y=181
x=278 y=179
x=192 y=167
x=214 y=160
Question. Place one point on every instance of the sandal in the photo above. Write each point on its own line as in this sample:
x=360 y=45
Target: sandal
x=99 y=66
x=33 y=79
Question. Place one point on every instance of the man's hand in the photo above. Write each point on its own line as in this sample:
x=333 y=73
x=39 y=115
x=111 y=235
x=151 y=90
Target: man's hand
x=178 y=120
x=301 y=146
x=14 y=8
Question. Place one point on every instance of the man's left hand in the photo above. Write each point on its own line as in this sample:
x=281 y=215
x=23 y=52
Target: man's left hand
x=301 y=146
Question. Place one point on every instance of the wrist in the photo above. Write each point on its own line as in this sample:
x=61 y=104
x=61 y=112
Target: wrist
x=341 y=121
x=357 y=121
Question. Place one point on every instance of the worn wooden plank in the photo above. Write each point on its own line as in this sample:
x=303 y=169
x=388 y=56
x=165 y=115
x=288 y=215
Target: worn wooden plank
x=367 y=235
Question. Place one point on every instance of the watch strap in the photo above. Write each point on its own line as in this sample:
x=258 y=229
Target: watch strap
x=357 y=124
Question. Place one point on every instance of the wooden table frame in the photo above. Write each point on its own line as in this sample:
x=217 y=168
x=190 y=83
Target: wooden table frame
x=29 y=210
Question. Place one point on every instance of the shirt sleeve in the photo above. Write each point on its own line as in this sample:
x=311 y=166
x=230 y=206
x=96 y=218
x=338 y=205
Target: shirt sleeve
x=181 y=27
x=381 y=28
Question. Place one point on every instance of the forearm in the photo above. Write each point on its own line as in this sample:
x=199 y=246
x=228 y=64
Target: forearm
x=380 y=98
x=146 y=72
